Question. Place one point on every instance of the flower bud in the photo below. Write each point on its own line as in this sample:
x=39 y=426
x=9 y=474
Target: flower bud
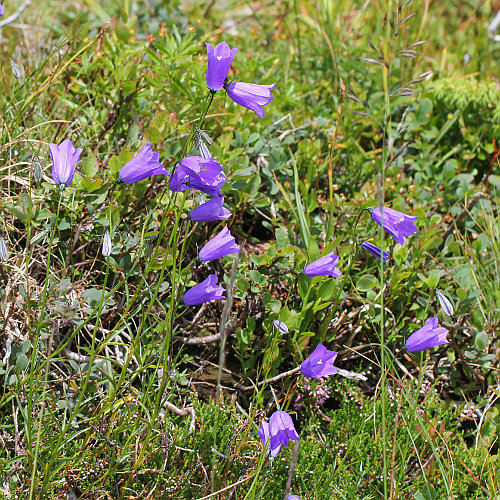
x=4 y=253
x=107 y=245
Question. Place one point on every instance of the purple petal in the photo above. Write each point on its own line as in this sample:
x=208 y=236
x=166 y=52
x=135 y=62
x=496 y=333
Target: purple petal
x=206 y=291
x=212 y=210
x=220 y=245
x=430 y=335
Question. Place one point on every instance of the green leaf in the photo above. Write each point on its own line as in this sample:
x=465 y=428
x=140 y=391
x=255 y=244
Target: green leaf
x=89 y=165
x=153 y=134
x=481 y=341
x=327 y=289
x=21 y=362
x=367 y=282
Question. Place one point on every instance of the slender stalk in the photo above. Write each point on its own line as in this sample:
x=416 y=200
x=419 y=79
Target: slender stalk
x=34 y=352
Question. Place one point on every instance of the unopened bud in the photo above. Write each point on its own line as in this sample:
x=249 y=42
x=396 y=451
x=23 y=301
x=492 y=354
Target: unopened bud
x=4 y=253
x=107 y=245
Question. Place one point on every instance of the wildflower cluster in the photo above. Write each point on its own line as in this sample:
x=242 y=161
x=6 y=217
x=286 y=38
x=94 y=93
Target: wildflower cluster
x=205 y=174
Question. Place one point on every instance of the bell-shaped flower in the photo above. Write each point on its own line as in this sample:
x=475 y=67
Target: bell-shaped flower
x=196 y=172
x=375 y=251
x=281 y=327
x=220 y=59
x=265 y=438
x=1 y=10
x=143 y=165
x=206 y=291
x=218 y=246
x=212 y=210
x=281 y=430
x=251 y=95
x=64 y=160
x=397 y=224
x=292 y=497
x=319 y=363
x=324 y=266
x=445 y=303
x=430 y=335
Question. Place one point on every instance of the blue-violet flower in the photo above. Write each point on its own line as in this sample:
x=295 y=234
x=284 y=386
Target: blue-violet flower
x=219 y=62
x=144 y=164
x=212 y=210
x=251 y=95
x=205 y=291
x=319 y=363
x=375 y=250
x=430 y=335
x=218 y=246
x=265 y=438
x=324 y=266
x=196 y=172
x=64 y=160
x=397 y=224
x=281 y=430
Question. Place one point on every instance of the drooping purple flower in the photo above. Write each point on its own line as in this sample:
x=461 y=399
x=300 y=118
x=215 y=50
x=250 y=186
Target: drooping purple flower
x=251 y=95
x=375 y=250
x=64 y=160
x=292 y=497
x=281 y=430
x=397 y=224
x=324 y=266
x=218 y=246
x=212 y=210
x=219 y=62
x=144 y=164
x=445 y=303
x=265 y=438
x=206 y=291
x=319 y=363
x=196 y=172
x=281 y=327
x=1 y=10
x=430 y=335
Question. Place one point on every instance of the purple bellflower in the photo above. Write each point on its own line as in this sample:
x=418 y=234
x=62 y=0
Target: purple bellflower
x=430 y=335
x=397 y=224
x=251 y=95
x=144 y=164
x=265 y=438
x=218 y=246
x=1 y=10
x=196 y=172
x=212 y=210
x=219 y=62
x=319 y=363
x=375 y=251
x=64 y=160
x=292 y=497
x=325 y=266
x=206 y=291
x=281 y=327
x=281 y=430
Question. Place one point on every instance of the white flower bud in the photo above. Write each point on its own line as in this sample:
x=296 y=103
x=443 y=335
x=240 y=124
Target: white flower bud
x=107 y=245
x=445 y=303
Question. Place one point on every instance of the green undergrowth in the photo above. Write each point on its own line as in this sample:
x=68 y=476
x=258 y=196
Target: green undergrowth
x=339 y=454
